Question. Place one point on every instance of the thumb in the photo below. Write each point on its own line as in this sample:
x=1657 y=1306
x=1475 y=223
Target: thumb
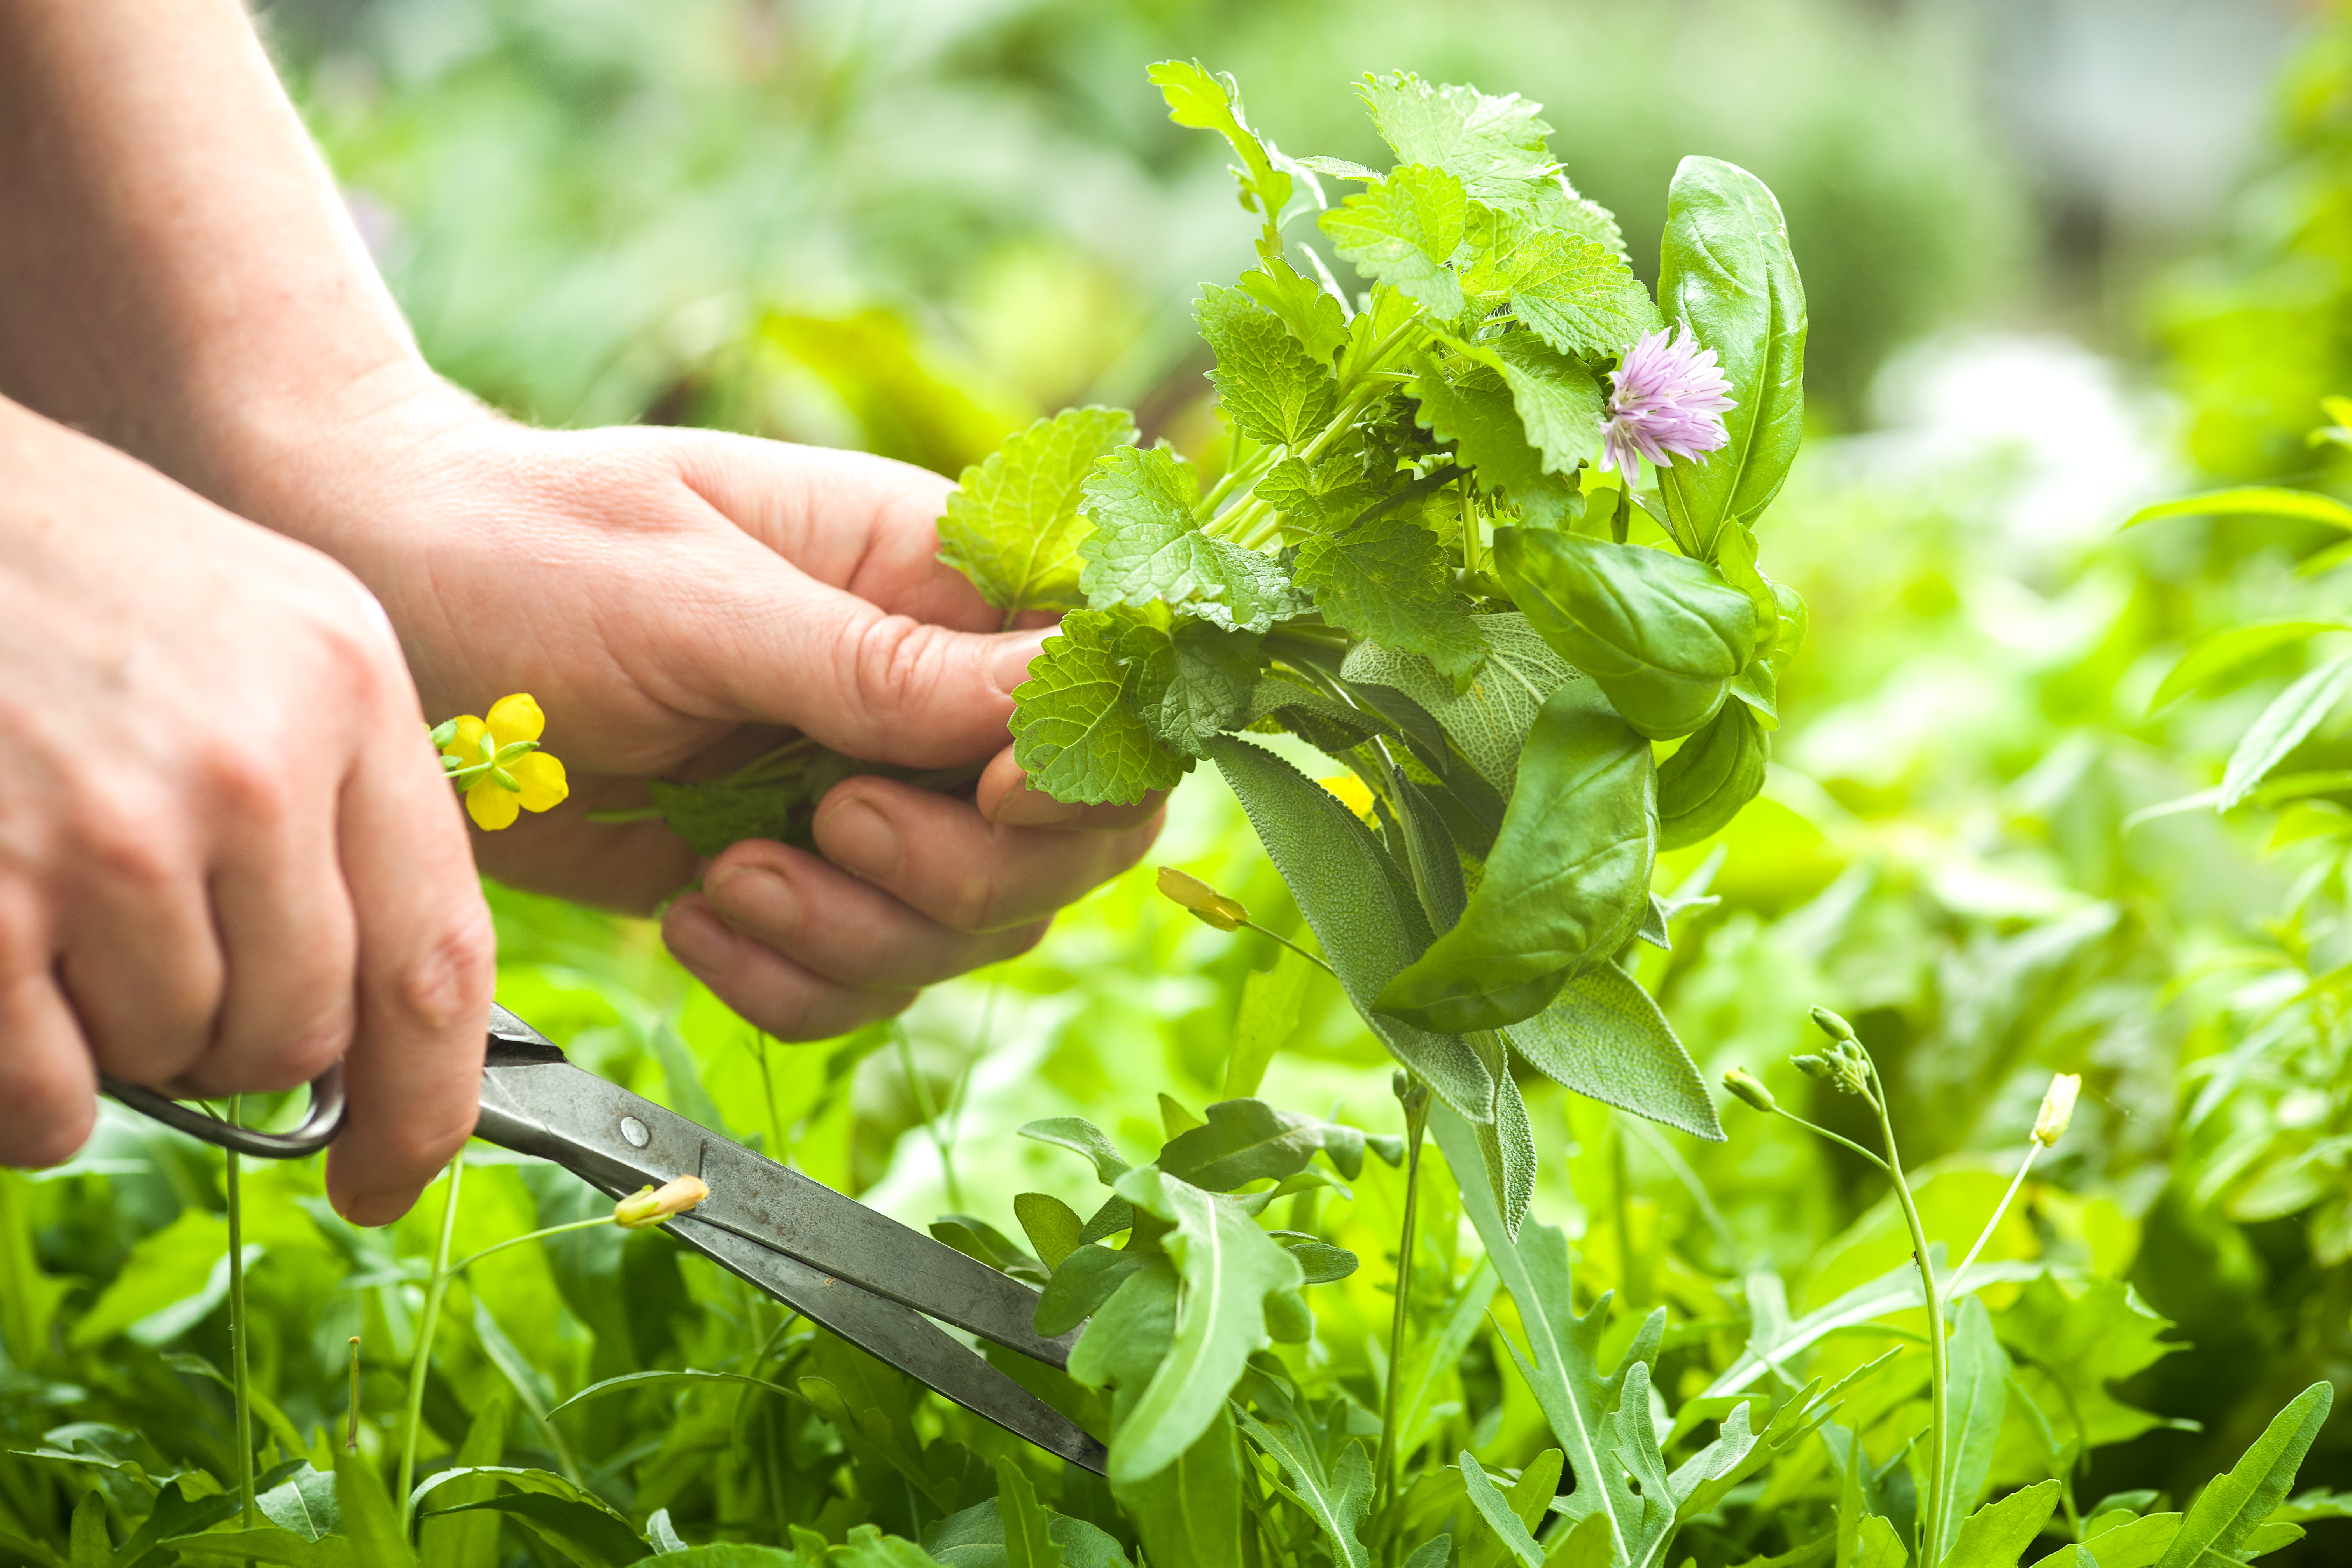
x=883 y=687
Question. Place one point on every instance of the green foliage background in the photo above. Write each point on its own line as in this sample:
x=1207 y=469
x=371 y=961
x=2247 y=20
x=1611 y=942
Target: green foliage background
x=911 y=227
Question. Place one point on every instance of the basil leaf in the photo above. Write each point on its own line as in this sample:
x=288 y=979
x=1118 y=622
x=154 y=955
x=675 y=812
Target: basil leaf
x=1662 y=635
x=1568 y=882
x=1702 y=786
x=1726 y=275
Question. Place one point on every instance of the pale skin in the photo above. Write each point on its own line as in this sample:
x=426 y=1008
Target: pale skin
x=226 y=854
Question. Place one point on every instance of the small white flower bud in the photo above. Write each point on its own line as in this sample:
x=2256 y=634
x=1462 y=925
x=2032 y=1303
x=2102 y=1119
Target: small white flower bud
x=653 y=1205
x=2057 y=1108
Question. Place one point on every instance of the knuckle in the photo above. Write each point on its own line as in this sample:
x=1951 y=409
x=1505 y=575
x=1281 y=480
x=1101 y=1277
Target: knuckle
x=121 y=845
x=446 y=980
x=248 y=783
x=896 y=664
x=309 y=1051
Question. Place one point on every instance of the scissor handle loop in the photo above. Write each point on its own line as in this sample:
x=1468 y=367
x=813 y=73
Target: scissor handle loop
x=317 y=1129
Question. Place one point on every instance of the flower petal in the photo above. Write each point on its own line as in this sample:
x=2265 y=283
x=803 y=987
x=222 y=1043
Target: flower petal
x=490 y=806
x=466 y=745
x=516 y=718
x=542 y=781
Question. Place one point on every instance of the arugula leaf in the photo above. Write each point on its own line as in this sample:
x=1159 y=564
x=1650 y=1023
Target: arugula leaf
x=1568 y=882
x=1270 y=386
x=1499 y=1512
x=1662 y=635
x=1191 y=1515
x=1487 y=721
x=2231 y=1505
x=1315 y=316
x=1188 y=680
x=1472 y=405
x=1493 y=145
x=1996 y=1534
x=1073 y=729
x=1245 y=1140
x=1725 y=274
x=1386 y=579
x=1147 y=544
x=1405 y=232
x=1604 y=1037
x=1978 y=1398
x=1703 y=786
x=1576 y=294
x=2076 y=1341
x=1336 y=1496
x=1011 y=524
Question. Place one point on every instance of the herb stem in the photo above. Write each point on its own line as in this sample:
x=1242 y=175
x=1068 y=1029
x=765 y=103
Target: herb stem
x=1952 y=1285
x=420 y=1364
x=471 y=1259
x=352 y=1434
x=1939 y=1367
x=1315 y=959
x=240 y=1325
x=1416 y=1120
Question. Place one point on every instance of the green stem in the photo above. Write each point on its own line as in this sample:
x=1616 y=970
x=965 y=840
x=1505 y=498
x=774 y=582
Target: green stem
x=1952 y=1285
x=1314 y=958
x=1416 y=1118
x=473 y=1257
x=1939 y=1366
x=240 y=1325
x=351 y=1435
x=1821 y=1132
x=437 y=1285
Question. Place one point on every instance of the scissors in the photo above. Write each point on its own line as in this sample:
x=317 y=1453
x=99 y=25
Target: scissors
x=875 y=1282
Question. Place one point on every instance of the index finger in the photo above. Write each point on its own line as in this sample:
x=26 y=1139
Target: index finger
x=427 y=964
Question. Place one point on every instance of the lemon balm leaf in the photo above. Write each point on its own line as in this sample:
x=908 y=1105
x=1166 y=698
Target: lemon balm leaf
x=1013 y=525
x=1405 y=232
x=1148 y=545
x=1073 y=729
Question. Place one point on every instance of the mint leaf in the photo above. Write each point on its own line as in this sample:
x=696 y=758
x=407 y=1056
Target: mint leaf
x=1493 y=145
x=1190 y=681
x=1386 y=579
x=1404 y=232
x=1147 y=544
x=1314 y=315
x=1575 y=295
x=1013 y=524
x=1073 y=729
x=1472 y=406
x=1272 y=388
x=1560 y=405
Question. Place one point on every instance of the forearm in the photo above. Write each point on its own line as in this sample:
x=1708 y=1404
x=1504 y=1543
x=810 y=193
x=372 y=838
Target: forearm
x=177 y=274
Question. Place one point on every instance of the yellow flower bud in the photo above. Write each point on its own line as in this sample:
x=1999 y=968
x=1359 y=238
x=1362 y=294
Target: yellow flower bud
x=653 y=1205
x=2057 y=1108
x=1751 y=1090
x=1208 y=905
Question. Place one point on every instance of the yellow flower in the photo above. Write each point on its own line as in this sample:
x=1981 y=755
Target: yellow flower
x=1210 y=906
x=497 y=762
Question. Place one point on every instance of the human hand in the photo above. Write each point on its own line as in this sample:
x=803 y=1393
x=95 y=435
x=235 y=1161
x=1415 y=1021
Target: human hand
x=680 y=602
x=226 y=855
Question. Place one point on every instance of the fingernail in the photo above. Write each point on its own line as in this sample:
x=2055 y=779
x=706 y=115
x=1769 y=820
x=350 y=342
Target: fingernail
x=1026 y=805
x=372 y=1209
x=1008 y=662
x=757 y=897
x=856 y=837
x=699 y=939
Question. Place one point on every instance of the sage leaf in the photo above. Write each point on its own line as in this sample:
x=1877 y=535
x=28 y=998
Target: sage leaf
x=1996 y=1534
x=1147 y=545
x=1011 y=524
x=1359 y=904
x=1567 y=884
x=1270 y=386
x=1703 y=786
x=1604 y=1037
x=2292 y=714
x=1660 y=633
x=1073 y=728
x=1488 y=719
x=1727 y=277
x=2233 y=1506
x=1404 y=232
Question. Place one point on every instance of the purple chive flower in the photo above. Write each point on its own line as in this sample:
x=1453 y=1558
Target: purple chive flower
x=1665 y=401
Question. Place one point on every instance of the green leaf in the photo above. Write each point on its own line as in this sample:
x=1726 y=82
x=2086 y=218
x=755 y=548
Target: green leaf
x=1337 y=1498
x=1206 y=102
x=1191 y=1515
x=370 y=1523
x=1081 y=1136
x=1493 y=145
x=590 y=1531
x=1130 y=1300
x=2291 y=715
x=1973 y=1411
x=1147 y=544
x=1559 y=1360
x=1879 y=1546
x=1271 y=387
x=2231 y=1505
x=2082 y=1338
x=1996 y=1534
x=1028 y=1539
x=187 y=1505
x=1073 y=727
x=1188 y=680
x=1506 y=1140
x=1660 y=633
x=1605 y=1038
x=279 y=1548
x=2225 y=651
x=1703 y=786
x=1245 y=1140
x=1470 y=404
x=1011 y=524
x=304 y=1502
x=976 y=1538
x=1404 y=232
x=1577 y=294
x=1487 y=721
x=1050 y=1226
x=1387 y=579
x=1560 y=405
x=978 y=1240
x=1314 y=315
x=89 y=1544
x=1496 y=1510
x=1727 y=277
x=1363 y=912
x=1227 y=1268
x=2251 y=500
x=630 y=1380
x=1568 y=882
x=471 y=1541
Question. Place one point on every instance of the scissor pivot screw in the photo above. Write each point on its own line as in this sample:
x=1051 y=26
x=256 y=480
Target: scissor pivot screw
x=634 y=1132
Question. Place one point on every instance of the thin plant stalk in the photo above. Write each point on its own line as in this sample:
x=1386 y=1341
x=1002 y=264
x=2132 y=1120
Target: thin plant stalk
x=1952 y=1286
x=437 y=1285
x=1416 y=1118
x=239 y=1324
x=1939 y=1358
x=351 y=1438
